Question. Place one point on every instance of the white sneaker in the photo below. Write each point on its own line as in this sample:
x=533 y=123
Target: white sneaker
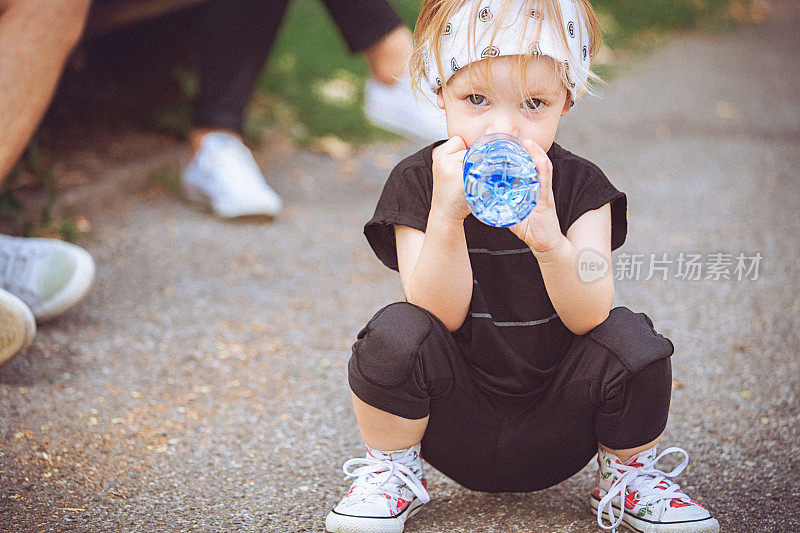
x=17 y=327
x=388 y=490
x=49 y=275
x=644 y=498
x=398 y=109
x=224 y=176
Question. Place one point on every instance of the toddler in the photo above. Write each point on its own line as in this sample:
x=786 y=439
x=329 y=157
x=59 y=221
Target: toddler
x=503 y=368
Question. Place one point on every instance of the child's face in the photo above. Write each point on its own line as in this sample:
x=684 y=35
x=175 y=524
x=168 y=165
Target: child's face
x=475 y=107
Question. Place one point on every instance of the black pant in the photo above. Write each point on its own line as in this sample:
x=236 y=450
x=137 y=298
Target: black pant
x=238 y=37
x=613 y=385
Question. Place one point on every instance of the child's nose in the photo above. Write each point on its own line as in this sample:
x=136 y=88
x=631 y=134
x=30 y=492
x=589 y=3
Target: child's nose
x=502 y=123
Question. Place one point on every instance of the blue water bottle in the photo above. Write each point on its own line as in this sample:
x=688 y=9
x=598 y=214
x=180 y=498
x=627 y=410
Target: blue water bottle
x=501 y=184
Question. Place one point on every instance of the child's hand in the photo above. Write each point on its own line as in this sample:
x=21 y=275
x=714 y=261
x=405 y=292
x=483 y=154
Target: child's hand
x=448 y=180
x=540 y=230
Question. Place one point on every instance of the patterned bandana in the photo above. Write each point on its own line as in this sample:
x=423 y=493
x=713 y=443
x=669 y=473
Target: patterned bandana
x=459 y=48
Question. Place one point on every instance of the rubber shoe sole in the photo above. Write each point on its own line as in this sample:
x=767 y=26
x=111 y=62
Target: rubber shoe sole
x=17 y=326
x=340 y=523
x=263 y=210
x=706 y=525
x=75 y=289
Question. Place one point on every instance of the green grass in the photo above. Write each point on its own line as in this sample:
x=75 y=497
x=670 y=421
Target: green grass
x=631 y=23
x=291 y=89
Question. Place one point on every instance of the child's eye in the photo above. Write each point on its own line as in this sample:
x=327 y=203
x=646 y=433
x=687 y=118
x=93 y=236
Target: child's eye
x=477 y=99
x=533 y=104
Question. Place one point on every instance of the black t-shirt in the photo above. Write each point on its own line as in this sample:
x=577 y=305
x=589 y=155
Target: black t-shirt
x=512 y=337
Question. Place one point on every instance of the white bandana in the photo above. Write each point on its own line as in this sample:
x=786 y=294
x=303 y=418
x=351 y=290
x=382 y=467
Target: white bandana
x=457 y=52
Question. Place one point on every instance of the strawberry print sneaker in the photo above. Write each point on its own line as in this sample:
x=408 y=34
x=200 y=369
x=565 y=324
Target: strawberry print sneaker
x=637 y=495
x=388 y=490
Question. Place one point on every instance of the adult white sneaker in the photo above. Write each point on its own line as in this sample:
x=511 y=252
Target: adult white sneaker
x=17 y=327
x=388 y=490
x=49 y=275
x=224 y=176
x=645 y=500
x=398 y=109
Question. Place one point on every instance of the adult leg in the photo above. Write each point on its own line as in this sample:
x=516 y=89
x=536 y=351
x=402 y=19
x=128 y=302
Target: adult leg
x=36 y=37
x=238 y=37
x=42 y=277
x=388 y=59
x=223 y=173
x=373 y=28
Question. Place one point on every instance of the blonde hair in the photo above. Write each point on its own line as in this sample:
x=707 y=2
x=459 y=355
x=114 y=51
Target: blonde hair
x=435 y=15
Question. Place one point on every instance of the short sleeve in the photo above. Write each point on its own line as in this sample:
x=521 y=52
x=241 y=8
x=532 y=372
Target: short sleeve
x=580 y=186
x=405 y=201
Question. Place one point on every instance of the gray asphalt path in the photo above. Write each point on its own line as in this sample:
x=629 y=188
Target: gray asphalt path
x=201 y=386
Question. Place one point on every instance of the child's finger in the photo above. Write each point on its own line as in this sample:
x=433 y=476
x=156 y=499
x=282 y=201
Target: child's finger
x=544 y=169
x=448 y=160
x=450 y=154
x=453 y=145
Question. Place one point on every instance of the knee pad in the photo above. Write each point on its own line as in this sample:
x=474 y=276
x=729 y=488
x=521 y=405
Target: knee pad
x=388 y=347
x=632 y=339
x=655 y=378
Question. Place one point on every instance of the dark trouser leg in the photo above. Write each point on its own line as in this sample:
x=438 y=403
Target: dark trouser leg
x=406 y=363
x=613 y=386
x=362 y=22
x=635 y=398
x=238 y=38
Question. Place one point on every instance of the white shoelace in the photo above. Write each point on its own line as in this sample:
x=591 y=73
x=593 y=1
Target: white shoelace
x=384 y=475
x=642 y=480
